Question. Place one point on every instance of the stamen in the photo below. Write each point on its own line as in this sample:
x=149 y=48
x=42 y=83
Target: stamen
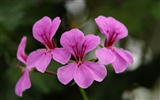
x=18 y=64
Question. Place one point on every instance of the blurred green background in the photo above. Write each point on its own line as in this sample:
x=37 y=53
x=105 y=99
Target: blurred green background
x=141 y=81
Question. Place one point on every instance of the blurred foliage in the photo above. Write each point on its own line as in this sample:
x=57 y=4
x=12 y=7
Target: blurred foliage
x=142 y=19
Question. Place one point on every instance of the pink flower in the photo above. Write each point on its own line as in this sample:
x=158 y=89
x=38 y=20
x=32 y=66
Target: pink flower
x=43 y=31
x=114 y=31
x=83 y=72
x=24 y=82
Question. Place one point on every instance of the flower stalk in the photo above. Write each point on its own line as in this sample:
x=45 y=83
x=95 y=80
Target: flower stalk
x=83 y=94
x=50 y=72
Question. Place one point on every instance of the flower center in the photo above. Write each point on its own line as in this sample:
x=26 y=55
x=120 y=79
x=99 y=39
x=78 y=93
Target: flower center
x=109 y=42
x=79 y=54
x=50 y=44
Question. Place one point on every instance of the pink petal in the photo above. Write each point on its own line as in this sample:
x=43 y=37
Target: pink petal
x=61 y=55
x=105 y=27
x=34 y=56
x=40 y=59
x=43 y=62
x=119 y=63
x=101 y=23
x=98 y=70
x=121 y=30
x=83 y=76
x=105 y=56
x=55 y=24
x=126 y=55
x=23 y=83
x=91 y=42
x=21 y=50
x=110 y=26
x=66 y=73
x=72 y=39
x=41 y=29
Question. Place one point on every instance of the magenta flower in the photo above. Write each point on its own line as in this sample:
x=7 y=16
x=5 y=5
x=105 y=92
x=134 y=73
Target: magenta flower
x=114 y=31
x=83 y=72
x=24 y=82
x=43 y=31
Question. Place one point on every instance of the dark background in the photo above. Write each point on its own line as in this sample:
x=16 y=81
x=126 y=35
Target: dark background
x=141 y=17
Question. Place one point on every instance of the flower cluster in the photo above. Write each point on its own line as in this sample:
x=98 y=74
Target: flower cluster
x=75 y=44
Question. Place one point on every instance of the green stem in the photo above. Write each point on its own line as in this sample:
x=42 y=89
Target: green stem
x=50 y=72
x=83 y=94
